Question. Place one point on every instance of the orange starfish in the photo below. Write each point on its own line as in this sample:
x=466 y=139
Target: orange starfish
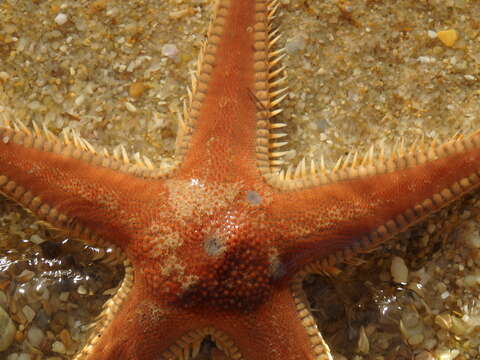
x=219 y=245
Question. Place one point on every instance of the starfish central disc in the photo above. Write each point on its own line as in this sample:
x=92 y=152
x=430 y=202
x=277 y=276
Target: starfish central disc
x=216 y=253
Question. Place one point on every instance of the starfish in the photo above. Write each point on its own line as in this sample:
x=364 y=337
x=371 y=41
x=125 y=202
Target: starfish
x=219 y=245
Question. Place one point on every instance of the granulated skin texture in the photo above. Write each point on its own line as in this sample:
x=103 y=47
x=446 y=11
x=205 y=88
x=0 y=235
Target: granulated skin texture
x=359 y=74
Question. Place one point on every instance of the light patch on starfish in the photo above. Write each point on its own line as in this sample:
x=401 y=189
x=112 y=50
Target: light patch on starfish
x=173 y=268
x=163 y=240
x=151 y=312
x=276 y=266
x=201 y=198
x=189 y=281
x=171 y=241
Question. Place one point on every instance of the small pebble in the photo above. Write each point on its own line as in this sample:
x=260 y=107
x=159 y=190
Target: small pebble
x=444 y=321
x=363 y=345
x=66 y=338
x=399 y=270
x=81 y=290
x=473 y=241
x=431 y=34
x=25 y=276
x=295 y=44
x=36 y=239
x=35 y=336
x=170 y=51
x=64 y=296
x=4 y=76
x=29 y=313
x=137 y=89
x=448 y=37
x=58 y=347
x=426 y=59
x=61 y=18
x=416 y=339
x=7 y=330
x=130 y=107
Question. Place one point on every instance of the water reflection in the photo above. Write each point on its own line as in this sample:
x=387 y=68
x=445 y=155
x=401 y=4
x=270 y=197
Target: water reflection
x=51 y=288
x=364 y=314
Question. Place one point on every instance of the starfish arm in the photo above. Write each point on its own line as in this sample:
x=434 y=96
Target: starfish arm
x=67 y=187
x=161 y=331
x=234 y=94
x=283 y=328
x=335 y=220
x=160 y=326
